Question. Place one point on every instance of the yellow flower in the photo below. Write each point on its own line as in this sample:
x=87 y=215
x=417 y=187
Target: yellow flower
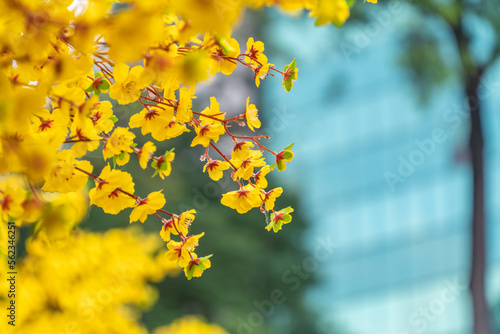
x=185 y=220
x=216 y=168
x=279 y=218
x=184 y=113
x=255 y=51
x=193 y=67
x=131 y=32
x=196 y=267
x=128 y=85
x=63 y=67
x=251 y=116
x=152 y=120
x=210 y=127
x=147 y=206
x=33 y=209
x=101 y=117
x=283 y=158
x=11 y=201
x=119 y=142
x=71 y=94
x=192 y=242
x=172 y=130
x=176 y=252
x=261 y=73
x=145 y=153
x=326 y=11
x=64 y=177
x=106 y=194
x=190 y=324
x=214 y=16
x=241 y=150
x=33 y=157
x=159 y=63
x=245 y=167
x=52 y=127
x=168 y=228
x=257 y=59
x=228 y=47
x=163 y=165
x=270 y=197
x=214 y=113
x=207 y=132
x=242 y=200
x=260 y=177
x=85 y=136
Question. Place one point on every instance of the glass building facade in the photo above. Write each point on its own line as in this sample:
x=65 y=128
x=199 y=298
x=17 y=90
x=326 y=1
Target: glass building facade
x=384 y=177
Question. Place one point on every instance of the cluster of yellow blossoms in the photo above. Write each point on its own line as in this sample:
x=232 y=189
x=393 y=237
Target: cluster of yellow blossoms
x=190 y=325
x=58 y=57
x=92 y=283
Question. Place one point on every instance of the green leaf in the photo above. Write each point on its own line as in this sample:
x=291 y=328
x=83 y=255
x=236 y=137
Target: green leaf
x=288 y=83
x=164 y=166
x=104 y=84
x=121 y=156
x=270 y=224
x=114 y=118
x=280 y=165
x=189 y=273
x=201 y=266
x=167 y=153
x=287 y=155
x=222 y=46
x=114 y=161
x=206 y=257
x=273 y=166
x=289 y=147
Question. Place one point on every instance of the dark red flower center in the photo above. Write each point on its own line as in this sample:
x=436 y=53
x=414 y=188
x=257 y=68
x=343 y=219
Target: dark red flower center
x=252 y=53
x=114 y=194
x=97 y=82
x=150 y=115
x=6 y=203
x=212 y=165
x=204 y=129
x=46 y=124
x=243 y=193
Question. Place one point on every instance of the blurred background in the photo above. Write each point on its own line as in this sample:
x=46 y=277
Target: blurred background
x=381 y=183
x=382 y=164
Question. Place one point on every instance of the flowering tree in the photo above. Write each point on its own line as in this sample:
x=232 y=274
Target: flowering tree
x=56 y=58
x=429 y=69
